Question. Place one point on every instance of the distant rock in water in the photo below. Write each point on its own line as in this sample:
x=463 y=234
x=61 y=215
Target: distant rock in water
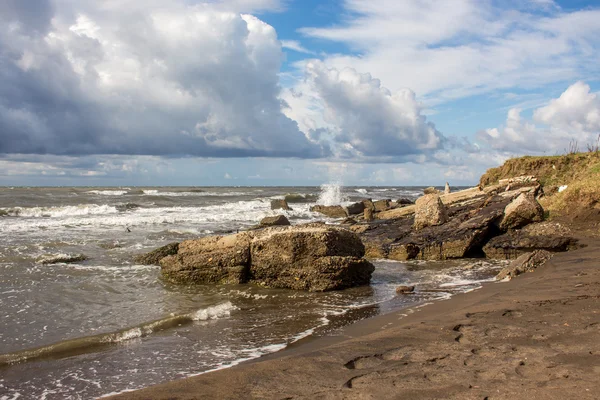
x=278 y=220
x=279 y=204
x=300 y=198
x=311 y=257
x=61 y=258
x=155 y=256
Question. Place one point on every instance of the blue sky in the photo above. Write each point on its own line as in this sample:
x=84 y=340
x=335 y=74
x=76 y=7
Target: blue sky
x=275 y=92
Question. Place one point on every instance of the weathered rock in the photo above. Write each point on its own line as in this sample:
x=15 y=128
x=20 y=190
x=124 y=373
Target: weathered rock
x=405 y=289
x=530 y=179
x=348 y=221
x=546 y=228
x=212 y=259
x=516 y=243
x=311 y=258
x=431 y=190
x=155 y=256
x=522 y=211
x=526 y=263
x=404 y=202
x=362 y=228
x=368 y=214
x=278 y=220
x=355 y=209
x=61 y=258
x=330 y=211
x=368 y=203
x=447 y=189
x=279 y=204
x=382 y=205
x=430 y=211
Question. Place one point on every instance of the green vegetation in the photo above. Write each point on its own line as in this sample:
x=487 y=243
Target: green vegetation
x=580 y=172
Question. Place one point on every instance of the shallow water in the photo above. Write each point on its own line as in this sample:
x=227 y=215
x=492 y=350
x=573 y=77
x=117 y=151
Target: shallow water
x=106 y=325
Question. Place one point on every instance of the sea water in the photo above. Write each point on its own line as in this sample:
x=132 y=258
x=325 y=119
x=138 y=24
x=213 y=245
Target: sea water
x=106 y=324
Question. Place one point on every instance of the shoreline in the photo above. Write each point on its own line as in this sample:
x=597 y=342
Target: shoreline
x=537 y=335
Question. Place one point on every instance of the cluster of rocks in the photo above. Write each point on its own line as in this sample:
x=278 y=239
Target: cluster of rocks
x=501 y=222
x=492 y=223
x=312 y=257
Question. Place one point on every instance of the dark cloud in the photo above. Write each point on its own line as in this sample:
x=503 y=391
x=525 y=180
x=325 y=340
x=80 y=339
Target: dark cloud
x=162 y=85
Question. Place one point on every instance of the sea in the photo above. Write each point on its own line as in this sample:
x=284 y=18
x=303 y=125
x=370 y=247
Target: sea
x=105 y=325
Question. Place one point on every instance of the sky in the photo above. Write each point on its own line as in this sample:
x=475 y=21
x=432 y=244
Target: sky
x=291 y=92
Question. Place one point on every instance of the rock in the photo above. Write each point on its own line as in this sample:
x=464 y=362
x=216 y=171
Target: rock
x=355 y=209
x=382 y=205
x=447 y=189
x=312 y=257
x=405 y=289
x=348 y=221
x=546 y=228
x=330 y=211
x=526 y=263
x=212 y=259
x=522 y=211
x=155 y=256
x=279 y=204
x=299 y=198
x=404 y=202
x=516 y=243
x=431 y=190
x=368 y=214
x=278 y=220
x=528 y=179
x=359 y=228
x=430 y=211
x=368 y=203
x=61 y=258
x=309 y=258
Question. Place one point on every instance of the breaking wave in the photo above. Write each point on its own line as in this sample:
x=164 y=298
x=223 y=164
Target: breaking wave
x=90 y=343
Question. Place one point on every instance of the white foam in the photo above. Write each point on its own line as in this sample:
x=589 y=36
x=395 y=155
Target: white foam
x=94 y=216
x=186 y=194
x=108 y=192
x=64 y=211
x=214 y=312
x=362 y=191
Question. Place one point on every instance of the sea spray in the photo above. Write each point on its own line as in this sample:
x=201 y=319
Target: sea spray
x=331 y=194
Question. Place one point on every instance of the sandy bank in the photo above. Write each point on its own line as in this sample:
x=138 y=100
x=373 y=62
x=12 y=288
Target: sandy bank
x=537 y=336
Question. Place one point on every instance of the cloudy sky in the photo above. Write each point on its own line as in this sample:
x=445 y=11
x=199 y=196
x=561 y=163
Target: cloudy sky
x=291 y=92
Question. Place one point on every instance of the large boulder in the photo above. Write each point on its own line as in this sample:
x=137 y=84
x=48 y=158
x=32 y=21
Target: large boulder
x=355 y=209
x=212 y=259
x=154 y=257
x=311 y=257
x=516 y=243
x=278 y=220
x=431 y=190
x=330 y=211
x=430 y=211
x=528 y=262
x=382 y=205
x=522 y=211
x=279 y=204
x=403 y=202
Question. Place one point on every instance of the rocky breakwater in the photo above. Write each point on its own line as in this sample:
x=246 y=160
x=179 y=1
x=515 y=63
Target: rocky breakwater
x=310 y=257
x=493 y=223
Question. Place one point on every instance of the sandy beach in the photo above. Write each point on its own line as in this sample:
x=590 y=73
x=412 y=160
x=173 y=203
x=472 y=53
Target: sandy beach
x=537 y=336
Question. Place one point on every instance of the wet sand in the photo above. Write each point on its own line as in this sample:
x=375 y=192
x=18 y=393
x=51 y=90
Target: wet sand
x=535 y=337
